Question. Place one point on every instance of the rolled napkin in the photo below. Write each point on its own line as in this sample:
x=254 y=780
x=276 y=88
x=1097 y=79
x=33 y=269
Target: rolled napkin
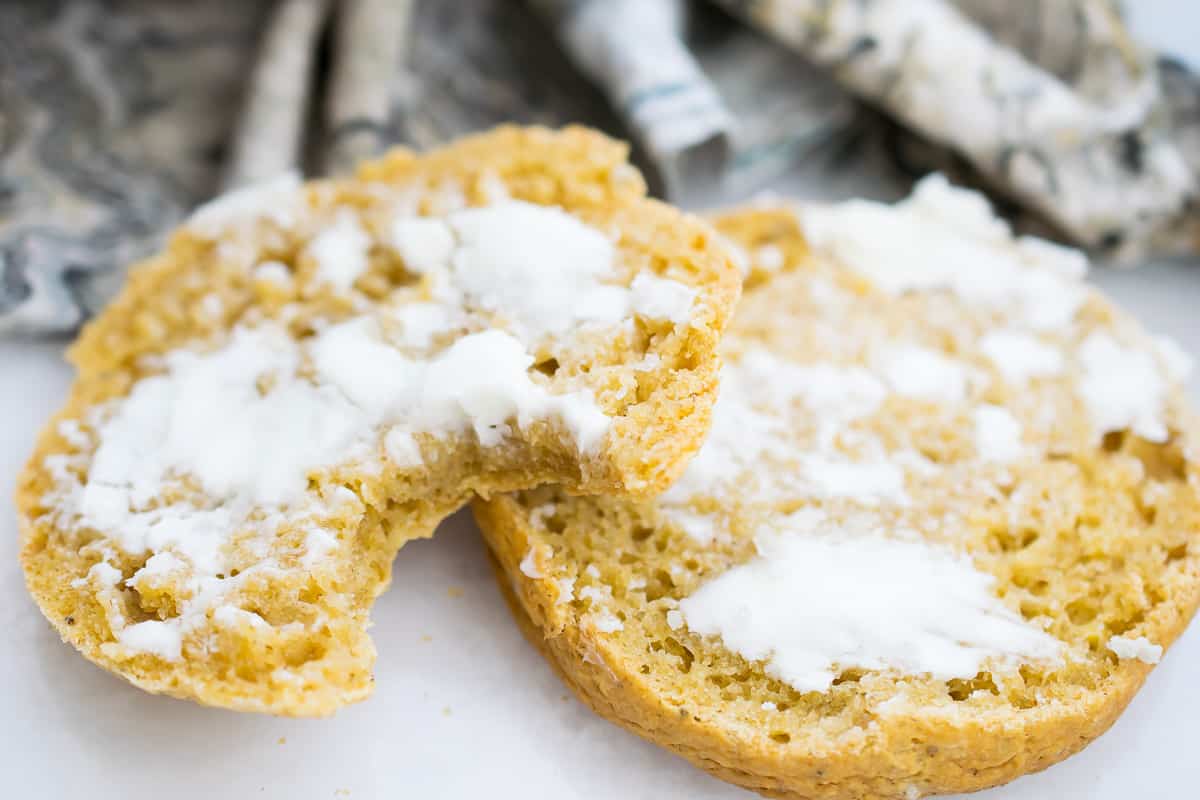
x=635 y=50
x=269 y=135
x=117 y=120
x=370 y=36
x=1051 y=100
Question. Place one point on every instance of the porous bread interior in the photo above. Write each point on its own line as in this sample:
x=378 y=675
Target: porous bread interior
x=1089 y=540
x=316 y=656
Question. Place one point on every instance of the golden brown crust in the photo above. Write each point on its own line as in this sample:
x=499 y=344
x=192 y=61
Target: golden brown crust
x=938 y=755
x=317 y=655
x=1111 y=548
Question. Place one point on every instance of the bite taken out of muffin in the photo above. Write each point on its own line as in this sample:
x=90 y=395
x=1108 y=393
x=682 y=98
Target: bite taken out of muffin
x=917 y=517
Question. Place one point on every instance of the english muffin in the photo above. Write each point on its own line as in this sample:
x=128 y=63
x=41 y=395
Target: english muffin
x=945 y=522
x=312 y=374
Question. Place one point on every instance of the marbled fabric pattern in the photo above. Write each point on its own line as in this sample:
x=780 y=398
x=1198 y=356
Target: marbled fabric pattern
x=112 y=120
x=1051 y=100
x=117 y=116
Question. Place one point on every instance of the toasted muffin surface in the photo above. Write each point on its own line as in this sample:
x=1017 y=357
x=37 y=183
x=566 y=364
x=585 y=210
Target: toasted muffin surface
x=947 y=518
x=310 y=375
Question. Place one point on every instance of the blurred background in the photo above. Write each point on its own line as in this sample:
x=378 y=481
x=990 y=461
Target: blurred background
x=1080 y=117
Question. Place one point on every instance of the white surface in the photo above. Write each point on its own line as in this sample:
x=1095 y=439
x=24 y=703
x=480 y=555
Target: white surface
x=822 y=597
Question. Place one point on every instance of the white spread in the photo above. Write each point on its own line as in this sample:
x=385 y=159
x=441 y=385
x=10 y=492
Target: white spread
x=212 y=306
x=759 y=395
x=539 y=268
x=234 y=617
x=275 y=199
x=103 y=573
x=158 y=565
x=740 y=435
x=595 y=594
x=868 y=482
x=229 y=420
x=660 y=298
x=250 y=422
x=945 y=238
x=1122 y=388
x=770 y=257
x=1020 y=356
x=529 y=566
x=997 y=434
x=340 y=252
x=401 y=448
x=919 y=372
x=70 y=430
x=817 y=600
x=204 y=417
x=421 y=323
x=835 y=395
x=605 y=621
x=153 y=636
x=273 y=272
x=703 y=528
x=1140 y=648
x=823 y=596
x=566 y=590
x=752 y=444
x=480 y=382
x=318 y=544
x=424 y=243
x=1175 y=359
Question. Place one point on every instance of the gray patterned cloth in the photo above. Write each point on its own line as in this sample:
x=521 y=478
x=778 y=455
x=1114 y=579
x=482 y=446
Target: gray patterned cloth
x=118 y=116
x=113 y=120
x=1051 y=101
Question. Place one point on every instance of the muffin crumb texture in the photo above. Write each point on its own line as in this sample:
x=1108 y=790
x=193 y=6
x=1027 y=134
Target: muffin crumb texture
x=311 y=374
x=945 y=520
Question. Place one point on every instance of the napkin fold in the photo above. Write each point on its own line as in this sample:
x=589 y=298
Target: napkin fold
x=117 y=118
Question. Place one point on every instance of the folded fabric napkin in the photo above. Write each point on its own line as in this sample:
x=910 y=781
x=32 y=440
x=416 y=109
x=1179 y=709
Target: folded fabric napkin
x=116 y=119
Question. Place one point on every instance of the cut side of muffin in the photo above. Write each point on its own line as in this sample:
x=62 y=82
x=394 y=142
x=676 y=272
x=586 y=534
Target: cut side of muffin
x=946 y=520
x=311 y=375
